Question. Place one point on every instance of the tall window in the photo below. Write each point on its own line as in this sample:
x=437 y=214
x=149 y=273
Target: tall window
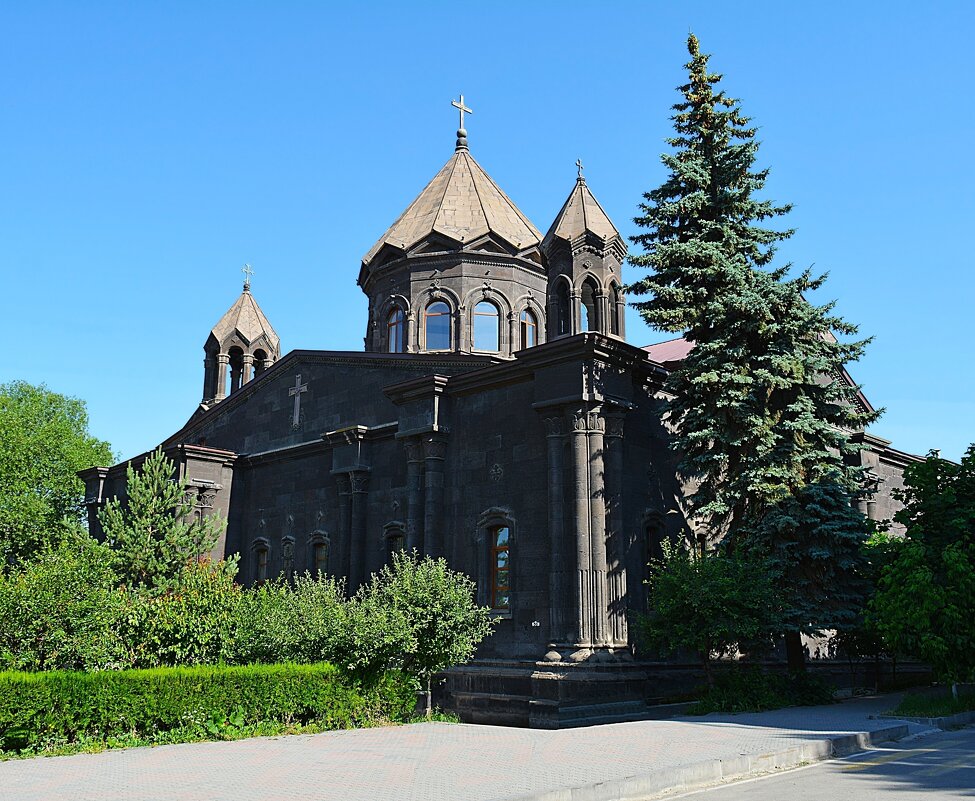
x=500 y=568
x=563 y=323
x=438 y=326
x=320 y=556
x=487 y=330
x=395 y=541
x=260 y=563
x=395 y=324
x=529 y=329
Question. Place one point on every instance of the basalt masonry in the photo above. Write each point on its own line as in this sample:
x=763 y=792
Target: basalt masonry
x=496 y=417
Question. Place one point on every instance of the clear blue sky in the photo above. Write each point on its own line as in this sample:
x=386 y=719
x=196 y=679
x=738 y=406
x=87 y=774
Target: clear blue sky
x=149 y=150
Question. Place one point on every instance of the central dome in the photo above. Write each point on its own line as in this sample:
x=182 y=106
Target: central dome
x=463 y=205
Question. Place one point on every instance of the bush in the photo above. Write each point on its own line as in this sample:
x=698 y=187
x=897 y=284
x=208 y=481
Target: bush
x=190 y=622
x=298 y=622
x=41 y=710
x=750 y=689
x=61 y=611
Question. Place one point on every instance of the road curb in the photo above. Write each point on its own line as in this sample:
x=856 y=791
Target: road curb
x=699 y=774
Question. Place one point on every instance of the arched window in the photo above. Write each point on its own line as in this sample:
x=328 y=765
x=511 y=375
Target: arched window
x=395 y=325
x=529 y=329
x=500 y=568
x=235 y=375
x=437 y=326
x=590 y=317
x=260 y=362
x=563 y=321
x=487 y=327
x=261 y=554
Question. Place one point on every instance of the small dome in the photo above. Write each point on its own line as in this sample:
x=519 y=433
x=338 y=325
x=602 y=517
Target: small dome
x=248 y=321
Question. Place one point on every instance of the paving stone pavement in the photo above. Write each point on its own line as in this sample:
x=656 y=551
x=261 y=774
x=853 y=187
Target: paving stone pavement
x=431 y=761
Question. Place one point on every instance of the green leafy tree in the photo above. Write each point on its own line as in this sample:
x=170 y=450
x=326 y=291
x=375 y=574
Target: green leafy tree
x=60 y=610
x=925 y=602
x=708 y=604
x=153 y=530
x=444 y=622
x=760 y=405
x=44 y=441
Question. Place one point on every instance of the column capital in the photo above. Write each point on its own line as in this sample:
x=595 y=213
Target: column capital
x=358 y=481
x=223 y=358
x=434 y=447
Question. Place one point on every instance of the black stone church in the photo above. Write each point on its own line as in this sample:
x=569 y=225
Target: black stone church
x=497 y=418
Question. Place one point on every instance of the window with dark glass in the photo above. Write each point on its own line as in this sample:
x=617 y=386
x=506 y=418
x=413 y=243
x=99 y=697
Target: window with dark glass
x=321 y=558
x=260 y=564
x=487 y=328
x=437 y=326
x=500 y=568
x=529 y=329
x=395 y=324
x=395 y=541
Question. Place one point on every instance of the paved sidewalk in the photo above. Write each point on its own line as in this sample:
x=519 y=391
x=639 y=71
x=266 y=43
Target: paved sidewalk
x=436 y=761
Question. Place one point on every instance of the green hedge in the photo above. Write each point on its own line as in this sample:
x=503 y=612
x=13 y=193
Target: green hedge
x=173 y=704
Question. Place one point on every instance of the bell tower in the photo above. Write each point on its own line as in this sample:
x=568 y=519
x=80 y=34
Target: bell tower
x=240 y=347
x=584 y=252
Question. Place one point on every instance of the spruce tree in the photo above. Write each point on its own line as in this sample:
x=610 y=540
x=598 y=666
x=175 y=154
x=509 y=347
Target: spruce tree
x=760 y=407
x=153 y=530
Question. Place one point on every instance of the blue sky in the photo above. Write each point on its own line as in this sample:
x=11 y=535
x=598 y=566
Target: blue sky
x=149 y=150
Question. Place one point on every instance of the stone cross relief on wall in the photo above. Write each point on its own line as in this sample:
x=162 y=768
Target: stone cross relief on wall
x=295 y=392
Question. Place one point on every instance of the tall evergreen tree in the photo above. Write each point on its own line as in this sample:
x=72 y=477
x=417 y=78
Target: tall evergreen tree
x=761 y=407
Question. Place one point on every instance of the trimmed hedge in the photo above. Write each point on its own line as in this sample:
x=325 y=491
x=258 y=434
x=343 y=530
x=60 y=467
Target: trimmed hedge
x=37 y=709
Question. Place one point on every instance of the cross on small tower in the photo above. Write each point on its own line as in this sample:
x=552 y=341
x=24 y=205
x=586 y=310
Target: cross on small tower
x=295 y=392
x=248 y=272
x=459 y=104
x=579 y=166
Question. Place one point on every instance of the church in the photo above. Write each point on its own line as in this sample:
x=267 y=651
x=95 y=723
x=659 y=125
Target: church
x=497 y=417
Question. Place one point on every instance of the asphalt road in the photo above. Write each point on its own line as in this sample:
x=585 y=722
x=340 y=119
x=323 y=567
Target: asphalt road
x=937 y=766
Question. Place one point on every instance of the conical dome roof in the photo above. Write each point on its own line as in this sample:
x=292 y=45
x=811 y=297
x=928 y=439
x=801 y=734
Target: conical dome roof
x=246 y=318
x=461 y=203
x=581 y=214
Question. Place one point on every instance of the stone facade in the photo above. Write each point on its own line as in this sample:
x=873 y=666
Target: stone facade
x=497 y=418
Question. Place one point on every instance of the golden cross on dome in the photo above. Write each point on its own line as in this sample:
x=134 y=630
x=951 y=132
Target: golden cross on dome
x=459 y=104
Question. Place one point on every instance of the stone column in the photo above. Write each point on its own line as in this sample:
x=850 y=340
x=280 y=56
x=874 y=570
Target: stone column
x=434 y=454
x=602 y=313
x=359 y=485
x=597 y=529
x=223 y=359
x=414 y=498
x=248 y=368
x=513 y=341
x=345 y=538
x=580 y=500
x=559 y=626
x=575 y=312
x=616 y=547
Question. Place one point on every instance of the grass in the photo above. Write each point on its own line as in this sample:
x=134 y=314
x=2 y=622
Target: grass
x=935 y=705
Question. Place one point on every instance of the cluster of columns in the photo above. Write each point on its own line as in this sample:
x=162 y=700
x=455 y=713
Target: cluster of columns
x=587 y=549
x=425 y=457
x=606 y=316
x=241 y=369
